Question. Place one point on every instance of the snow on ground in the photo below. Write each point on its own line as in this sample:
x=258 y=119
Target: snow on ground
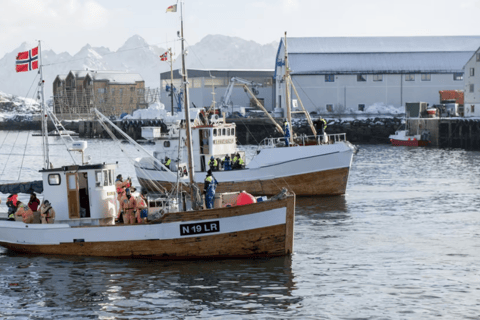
x=157 y=111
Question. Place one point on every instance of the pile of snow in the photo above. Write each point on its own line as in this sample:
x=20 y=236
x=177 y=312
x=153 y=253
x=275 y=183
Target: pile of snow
x=381 y=108
x=157 y=110
x=16 y=108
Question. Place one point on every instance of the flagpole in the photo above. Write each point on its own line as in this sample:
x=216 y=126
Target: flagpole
x=46 y=156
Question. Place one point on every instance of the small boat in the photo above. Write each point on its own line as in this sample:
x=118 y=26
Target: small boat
x=401 y=138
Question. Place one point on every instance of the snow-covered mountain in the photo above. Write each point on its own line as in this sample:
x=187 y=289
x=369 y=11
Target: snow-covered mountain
x=136 y=56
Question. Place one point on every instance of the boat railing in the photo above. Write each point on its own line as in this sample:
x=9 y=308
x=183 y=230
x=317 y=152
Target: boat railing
x=304 y=140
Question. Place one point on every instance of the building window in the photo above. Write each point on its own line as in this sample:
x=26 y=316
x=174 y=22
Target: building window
x=361 y=77
x=472 y=108
x=101 y=90
x=121 y=91
x=471 y=87
x=426 y=77
x=472 y=72
x=378 y=77
x=478 y=58
x=409 y=77
x=329 y=78
x=458 y=76
x=112 y=91
x=361 y=107
x=330 y=107
x=131 y=99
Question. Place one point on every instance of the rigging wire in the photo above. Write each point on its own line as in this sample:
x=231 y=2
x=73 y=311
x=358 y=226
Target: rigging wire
x=23 y=158
x=13 y=146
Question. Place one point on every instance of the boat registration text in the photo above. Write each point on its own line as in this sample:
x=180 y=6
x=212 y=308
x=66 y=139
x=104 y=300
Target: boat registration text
x=199 y=228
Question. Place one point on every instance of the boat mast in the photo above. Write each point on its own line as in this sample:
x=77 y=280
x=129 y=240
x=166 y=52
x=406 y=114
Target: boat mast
x=287 y=91
x=191 y=171
x=46 y=157
x=171 y=77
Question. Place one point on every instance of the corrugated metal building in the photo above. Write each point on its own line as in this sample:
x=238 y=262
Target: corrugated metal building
x=472 y=86
x=350 y=74
x=201 y=81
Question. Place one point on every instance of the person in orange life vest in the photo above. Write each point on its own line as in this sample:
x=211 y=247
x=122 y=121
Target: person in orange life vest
x=24 y=211
x=47 y=214
x=12 y=202
x=128 y=205
x=34 y=202
x=142 y=208
x=121 y=186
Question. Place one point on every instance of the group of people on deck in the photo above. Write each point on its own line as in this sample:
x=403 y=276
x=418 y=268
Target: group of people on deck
x=18 y=209
x=227 y=163
x=132 y=209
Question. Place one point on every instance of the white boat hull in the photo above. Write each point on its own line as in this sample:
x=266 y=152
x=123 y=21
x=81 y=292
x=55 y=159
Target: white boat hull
x=306 y=170
x=262 y=229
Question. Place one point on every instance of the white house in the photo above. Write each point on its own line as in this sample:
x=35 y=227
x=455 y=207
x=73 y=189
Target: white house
x=351 y=73
x=472 y=86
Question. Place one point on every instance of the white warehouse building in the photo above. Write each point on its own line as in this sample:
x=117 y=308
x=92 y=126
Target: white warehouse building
x=472 y=86
x=349 y=74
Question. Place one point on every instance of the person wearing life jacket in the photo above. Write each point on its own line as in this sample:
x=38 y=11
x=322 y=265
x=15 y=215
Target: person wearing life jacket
x=213 y=163
x=167 y=162
x=237 y=162
x=128 y=205
x=25 y=212
x=12 y=202
x=209 y=187
x=227 y=165
x=47 y=214
x=286 y=129
x=321 y=126
x=142 y=208
x=121 y=186
x=34 y=202
x=234 y=161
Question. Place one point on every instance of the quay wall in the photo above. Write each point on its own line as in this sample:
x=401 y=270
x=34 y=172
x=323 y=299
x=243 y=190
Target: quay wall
x=444 y=132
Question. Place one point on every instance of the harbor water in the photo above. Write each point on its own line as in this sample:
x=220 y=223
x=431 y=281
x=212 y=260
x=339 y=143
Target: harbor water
x=403 y=243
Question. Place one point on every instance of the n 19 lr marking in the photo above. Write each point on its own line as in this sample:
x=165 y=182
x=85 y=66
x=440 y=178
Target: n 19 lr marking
x=199 y=228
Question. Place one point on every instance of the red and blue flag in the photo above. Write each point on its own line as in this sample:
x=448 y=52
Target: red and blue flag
x=27 y=60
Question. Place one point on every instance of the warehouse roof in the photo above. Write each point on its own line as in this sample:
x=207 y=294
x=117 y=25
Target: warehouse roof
x=379 y=54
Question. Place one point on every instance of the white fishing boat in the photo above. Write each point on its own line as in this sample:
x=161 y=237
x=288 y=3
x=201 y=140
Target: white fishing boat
x=308 y=165
x=84 y=199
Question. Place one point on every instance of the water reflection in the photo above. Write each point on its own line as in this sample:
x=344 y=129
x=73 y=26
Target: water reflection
x=69 y=286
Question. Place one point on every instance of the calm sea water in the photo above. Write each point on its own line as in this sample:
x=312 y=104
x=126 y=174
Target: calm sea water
x=403 y=243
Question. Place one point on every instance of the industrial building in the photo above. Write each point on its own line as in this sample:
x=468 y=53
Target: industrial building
x=472 y=86
x=347 y=74
x=205 y=86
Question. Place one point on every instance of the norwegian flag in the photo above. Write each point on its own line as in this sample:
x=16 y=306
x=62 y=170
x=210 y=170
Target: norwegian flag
x=164 y=57
x=27 y=60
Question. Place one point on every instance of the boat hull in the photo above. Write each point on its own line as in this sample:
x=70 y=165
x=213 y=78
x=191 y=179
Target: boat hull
x=306 y=170
x=409 y=143
x=257 y=230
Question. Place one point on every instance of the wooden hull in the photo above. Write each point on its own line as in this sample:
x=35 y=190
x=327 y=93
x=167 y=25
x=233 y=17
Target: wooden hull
x=409 y=143
x=240 y=239
x=325 y=183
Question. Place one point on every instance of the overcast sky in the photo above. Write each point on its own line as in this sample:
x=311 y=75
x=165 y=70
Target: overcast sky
x=67 y=25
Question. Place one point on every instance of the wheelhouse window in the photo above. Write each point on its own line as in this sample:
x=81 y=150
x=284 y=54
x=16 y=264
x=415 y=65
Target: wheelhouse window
x=410 y=77
x=361 y=107
x=361 y=77
x=98 y=178
x=232 y=131
x=329 y=107
x=426 y=77
x=54 y=179
x=105 y=178
x=214 y=132
x=224 y=131
x=329 y=78
x=166 y=144
x=378 y=77
x=458 y=76
x=472 y=108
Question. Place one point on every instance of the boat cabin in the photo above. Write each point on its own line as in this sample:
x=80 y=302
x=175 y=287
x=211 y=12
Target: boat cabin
x=217 y=139
x=81 y=194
